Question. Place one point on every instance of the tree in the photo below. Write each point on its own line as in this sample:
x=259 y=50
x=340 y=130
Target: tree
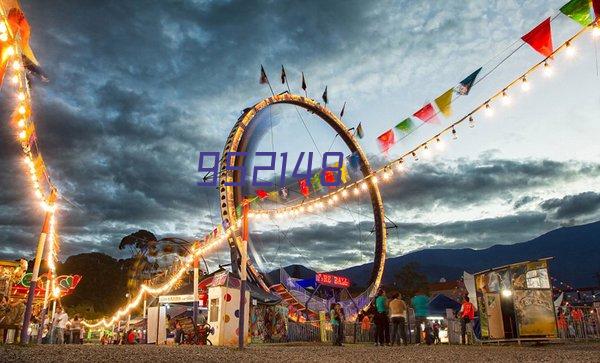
x=410 y=280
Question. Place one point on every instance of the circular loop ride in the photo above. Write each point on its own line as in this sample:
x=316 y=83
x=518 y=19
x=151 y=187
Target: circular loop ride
x=231 y=197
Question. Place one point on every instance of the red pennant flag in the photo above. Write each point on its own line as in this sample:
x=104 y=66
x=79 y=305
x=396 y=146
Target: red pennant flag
x=303 y=187
x=386 y=140
x=426 y=114
x=596 y=4
x=330 y=178
x=540 y=38
x=261 y=193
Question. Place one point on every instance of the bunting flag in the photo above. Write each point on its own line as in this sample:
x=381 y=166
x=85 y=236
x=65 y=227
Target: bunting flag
x=596 y=6
x=343 y=109
x=540 y=38
x=226 y=225
x=283 y=193
x=283 y=75
x=315 y=181
x=354 y=160
x=263 y=76
x=359 y=131
x=274 y=196
x=578 y=10
x=303 y=187
x=33 y=69
x=238 y=211
x=325 y=95
x=464 y=87
x=406 y=126
x=303 y=83
x=344 y=176
x=426 y=114
x=330 y=178
x=19 y=24
x=386 y=140
x=444 y=102
x=261 y=193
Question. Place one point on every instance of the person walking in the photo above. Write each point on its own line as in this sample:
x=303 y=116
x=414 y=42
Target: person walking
x=341 y=318
x=420 y=304
x=335 y=323
x=382 y=322
x=365 y=327
x=75 y=329
x=60 y=321
x=467 y=314
x=398 y=316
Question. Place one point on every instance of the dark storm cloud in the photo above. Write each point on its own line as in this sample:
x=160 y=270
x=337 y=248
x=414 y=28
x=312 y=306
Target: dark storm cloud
x=572 y=206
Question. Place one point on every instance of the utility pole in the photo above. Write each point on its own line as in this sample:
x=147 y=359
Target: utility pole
x=243 y=271
x=36 y=267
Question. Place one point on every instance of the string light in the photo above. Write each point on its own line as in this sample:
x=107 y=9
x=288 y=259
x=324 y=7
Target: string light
x=414 y=155
x=488 y=110
x=3 y=28
x=16 y=65
x=505 y=98
x=344 y=193
x=426 y=151
x=439 y=144
x=547 y=70
x=471 y=122
x=21 y=96
x=400 y=166
x=525 y=86
x=570 y=50
x=454 y=135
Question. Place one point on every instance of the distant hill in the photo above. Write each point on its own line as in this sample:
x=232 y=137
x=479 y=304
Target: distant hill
x=576 y=252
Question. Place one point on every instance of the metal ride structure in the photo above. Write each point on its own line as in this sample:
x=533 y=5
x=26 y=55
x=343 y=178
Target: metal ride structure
x=231 y=196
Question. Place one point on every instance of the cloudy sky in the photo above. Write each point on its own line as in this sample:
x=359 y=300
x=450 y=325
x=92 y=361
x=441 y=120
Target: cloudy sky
x=138 y=88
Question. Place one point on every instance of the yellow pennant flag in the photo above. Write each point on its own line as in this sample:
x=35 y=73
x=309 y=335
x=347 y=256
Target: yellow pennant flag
x=344 y=176
x=444 y=102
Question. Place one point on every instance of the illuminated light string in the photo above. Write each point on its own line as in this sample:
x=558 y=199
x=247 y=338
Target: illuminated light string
x=572 y=289
x=25 y=132
x=386 y=172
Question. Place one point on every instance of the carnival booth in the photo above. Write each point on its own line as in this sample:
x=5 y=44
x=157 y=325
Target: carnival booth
x=224 y=310
x=515 y=302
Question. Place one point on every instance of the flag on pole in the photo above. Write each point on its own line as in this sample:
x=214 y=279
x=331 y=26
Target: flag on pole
x=343 y=109
x=325 y=95
x=359 y=131
x=263 y=76
x=386 y=140
x=578 y=10
x=303 y=83
x=315 y=181
x=406 y=126
x=303 y=187
x=464 y=87
x=283 y=75
x=426 y=114
x=444 y=102
x=261 y=193
x=540 y=38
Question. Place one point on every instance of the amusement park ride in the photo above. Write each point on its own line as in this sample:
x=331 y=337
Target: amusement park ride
x=14 y=36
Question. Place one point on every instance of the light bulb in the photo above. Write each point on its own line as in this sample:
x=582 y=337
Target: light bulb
x=386 y=175
x=471 y=122
x=21 y=123
x=21 y=96
x=335 y=198
x=547 y=70
x=571 y=50
x=330 y=201
x=344 y=193
x=525 y=86
x=16 y=65
x=374 y=179
x=426 y=152
x=439 y=144
x=3 y=28
x=10 y=51
x=596 y=31
x=355 y=191
x=38 y=194
x=489 y=112
x=15 y=79
x=3 y=36
x=505 y=98
x=400 y=165
x=22 y=110
x=22 y=135
x=454 y=134
x=363 y=186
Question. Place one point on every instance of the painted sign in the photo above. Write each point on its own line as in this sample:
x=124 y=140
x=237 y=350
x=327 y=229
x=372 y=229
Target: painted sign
x=332 y=280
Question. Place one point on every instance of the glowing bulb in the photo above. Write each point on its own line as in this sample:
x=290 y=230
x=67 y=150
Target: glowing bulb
x=16 y=65
x=454 y=135
x=570 y=50
x=363 y=186
x=15 y=79
x=426 y=152
x=3 y=36
x=309 y=208
x=414 y=154
x=10 y=51
x=301 y=209
x=3 y=28
x=596 y=31
x=488 y=110
x=525 y=86
x=21 y=96
x=355 y=191
x=28 y=160
x=471 y=122
x=21 y=123
x=547 y=70
x=374 y=179
x=386 y=175
x=22 y=135
x=506 y=293
x=400 y=165
x=22 y=110
x=38 y=194
x=344 y=193
x=335 y=198
x=439 y=144
x=505 y=98
x=56 y=292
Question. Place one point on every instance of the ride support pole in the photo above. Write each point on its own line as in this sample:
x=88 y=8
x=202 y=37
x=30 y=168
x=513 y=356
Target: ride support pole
x=44 y=310
x=196 y=277
x=243 y=271
x=36 y=269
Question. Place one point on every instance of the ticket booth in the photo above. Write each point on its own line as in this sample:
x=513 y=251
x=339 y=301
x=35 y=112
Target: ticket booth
x=224 y=310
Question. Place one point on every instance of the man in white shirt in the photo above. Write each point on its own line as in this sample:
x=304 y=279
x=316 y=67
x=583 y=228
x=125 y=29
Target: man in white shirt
x=60 y=324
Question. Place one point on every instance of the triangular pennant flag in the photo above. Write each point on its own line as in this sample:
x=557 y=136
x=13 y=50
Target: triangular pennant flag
x=426 y=114
x=263 y=76
x=354 y=160
x=464 y=87
x=283 y=193
x=238 y=211
x=315 y=181
x=540 y=38
x=596 y=6
x=406 y=126
x=359 y=131
x=444 y=102
x=18 y=23
x=261 y=193
x=325 y=95
x=344 y=176
x=578 y=10
x=303 y=187
x=330 y=178
x=303 y=82
x=283 y=75
x=386 y=140
x=274 y=196
x=343 y=109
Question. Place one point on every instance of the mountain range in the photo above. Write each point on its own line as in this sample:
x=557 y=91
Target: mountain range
x=575 y=251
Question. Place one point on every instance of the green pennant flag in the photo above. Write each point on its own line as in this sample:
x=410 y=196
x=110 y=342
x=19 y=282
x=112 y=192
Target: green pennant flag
x=578 y=10
x=315 y=181
x=406 y=126
x=238 y=211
